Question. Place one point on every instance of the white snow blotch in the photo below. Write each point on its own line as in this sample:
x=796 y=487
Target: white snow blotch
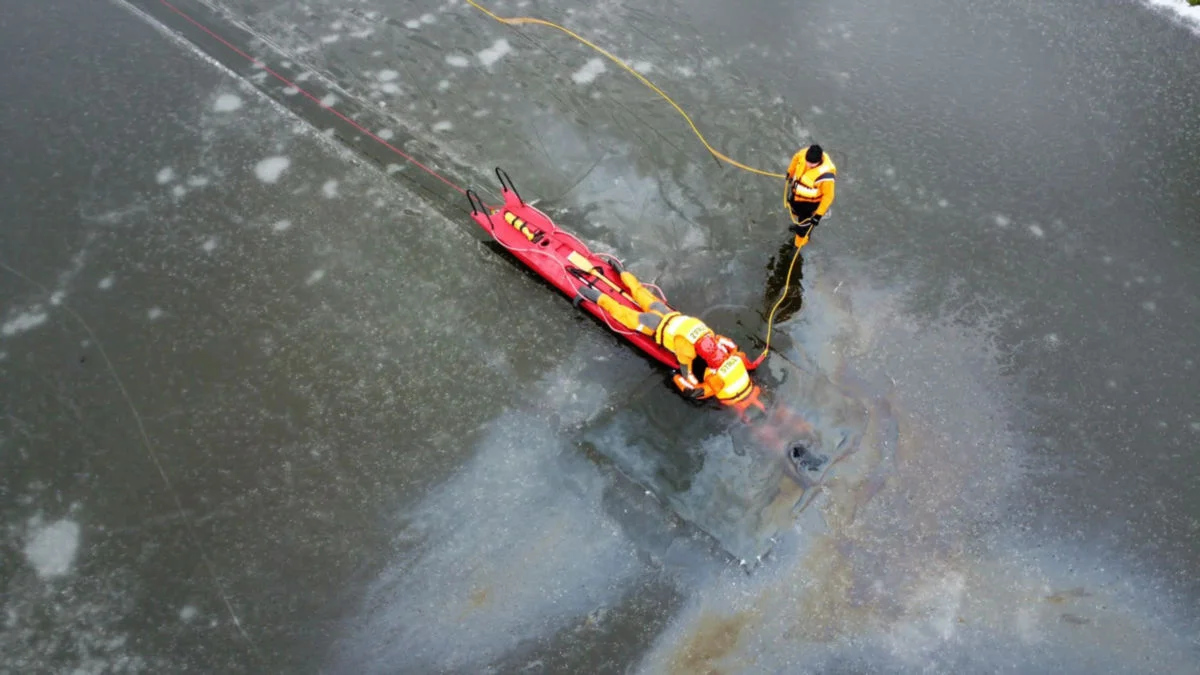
x=589 y=72
x=227 y=103
x=443 y=126
x=385 y=134
x=1037 y=231
x=270 y=169
x=209 y=245
x=197 y=181
x=330 y=39
x=427 y=18
x=412 y=24
x=188 y=613
x=499 y=49
x=1149 y=306
x=56 y=298
x=281 y=225
x=943 y=203
x=51 y=549
x=457 y=60
x=1002 y=220
x=1190 y=13
x=165 y=176
x=330 y=189
x=329 y=100
x=389 y=88
x=315 y=277
x=643 y=67
x=179 y=191
x=154 y=313
x=105 y=283
x=23 y=322
x=291 y=91
x=387 y=75
x=443 y=85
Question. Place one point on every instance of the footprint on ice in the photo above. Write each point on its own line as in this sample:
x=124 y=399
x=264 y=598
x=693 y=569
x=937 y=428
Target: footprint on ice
x=270 y=169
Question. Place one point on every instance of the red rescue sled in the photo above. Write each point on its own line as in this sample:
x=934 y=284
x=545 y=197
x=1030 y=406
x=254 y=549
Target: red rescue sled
x=559 y=258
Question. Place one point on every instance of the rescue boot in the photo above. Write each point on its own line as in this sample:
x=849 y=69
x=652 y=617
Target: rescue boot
x=616 y=265
x=586 y=292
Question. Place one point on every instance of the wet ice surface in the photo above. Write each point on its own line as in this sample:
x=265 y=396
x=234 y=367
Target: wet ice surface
x=359 y=518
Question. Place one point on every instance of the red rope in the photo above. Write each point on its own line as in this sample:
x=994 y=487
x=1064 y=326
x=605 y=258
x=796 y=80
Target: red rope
x=288 y=82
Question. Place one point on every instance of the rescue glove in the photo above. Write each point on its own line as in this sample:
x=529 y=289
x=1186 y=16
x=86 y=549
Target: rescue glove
x=814 y=219
x=800 y=230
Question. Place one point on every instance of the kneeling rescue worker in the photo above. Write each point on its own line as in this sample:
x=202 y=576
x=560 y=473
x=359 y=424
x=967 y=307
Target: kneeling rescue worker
x=727 y=372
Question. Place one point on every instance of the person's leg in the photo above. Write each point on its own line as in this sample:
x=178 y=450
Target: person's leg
x=644 y=297
x=802 y=210
x=644 y=322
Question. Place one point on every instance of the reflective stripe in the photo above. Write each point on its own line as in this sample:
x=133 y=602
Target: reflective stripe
x=806 y=183
x=737 y=387
x=660 y=332
x=680 y=324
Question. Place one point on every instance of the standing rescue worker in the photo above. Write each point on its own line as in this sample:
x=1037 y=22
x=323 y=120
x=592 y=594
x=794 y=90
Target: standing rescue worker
x=811 y=182
x=727 y=372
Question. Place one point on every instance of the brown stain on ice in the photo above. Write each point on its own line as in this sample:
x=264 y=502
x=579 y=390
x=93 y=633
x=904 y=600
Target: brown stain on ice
x=715 y=638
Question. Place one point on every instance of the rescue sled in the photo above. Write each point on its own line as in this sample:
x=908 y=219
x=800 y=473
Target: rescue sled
x=559 y=258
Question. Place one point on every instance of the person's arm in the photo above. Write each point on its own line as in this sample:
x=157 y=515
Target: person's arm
x=827 y=183
x=797 y=160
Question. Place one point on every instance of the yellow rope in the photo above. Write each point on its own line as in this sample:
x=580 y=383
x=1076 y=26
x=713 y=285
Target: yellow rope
x=513 y=21
x=786 y=285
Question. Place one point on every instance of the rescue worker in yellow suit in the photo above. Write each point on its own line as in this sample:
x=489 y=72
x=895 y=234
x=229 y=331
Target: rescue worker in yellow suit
x=810 y=188
x=727 y=372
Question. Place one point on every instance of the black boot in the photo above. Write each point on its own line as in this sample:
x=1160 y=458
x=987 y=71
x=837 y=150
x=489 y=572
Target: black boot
x=586 y=292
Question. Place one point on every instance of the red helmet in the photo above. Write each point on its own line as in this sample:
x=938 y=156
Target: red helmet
x=708 y=349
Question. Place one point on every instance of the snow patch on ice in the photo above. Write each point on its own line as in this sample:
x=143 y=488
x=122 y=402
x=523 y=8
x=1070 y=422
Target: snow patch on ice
x=304 y=76
x=443 y=85
x=412 y=24
x=51 y=549
x=360 y=34
x=330 y=39
x=385 y=134
x=165 y=175
x=643 y=67
x=499 y=49
x=291 y=91
x=316 y=276
x=154 y=313
x=443 y=126
x=24 y=321
x=227 y=103
x=56 y=298
x=589 y=72
x=685 y=71
x=188 y=613
x=281 y=225
x=1037 y=231
x=387 y=75
x=427 y=18
x=106 y=283
x=457 y=60
x=270 y=169
x=179 y=191
x=330 y=189
x=1149 y=306
x=1002 y=220
x=1189 y=14
x=329 y=100
x=209 y=245
x=389 y=88
x=943 y=203
x=197 y=181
